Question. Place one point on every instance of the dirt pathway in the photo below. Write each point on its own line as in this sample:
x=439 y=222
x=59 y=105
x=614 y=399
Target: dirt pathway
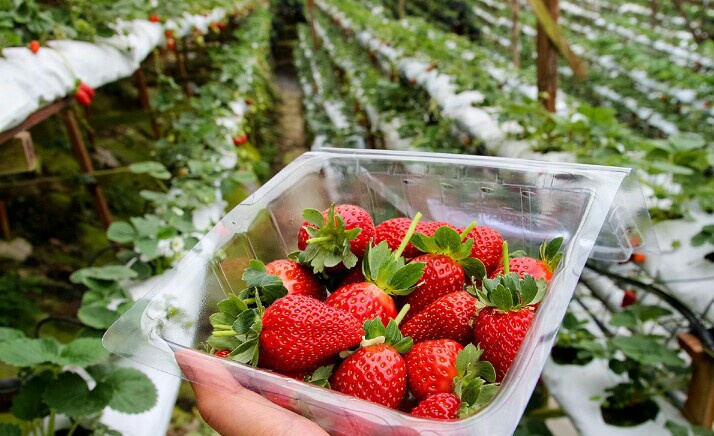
x=291 y=121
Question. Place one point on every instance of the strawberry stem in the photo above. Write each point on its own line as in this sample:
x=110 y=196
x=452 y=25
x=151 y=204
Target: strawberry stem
x=408 y=236
x=249 y=300
x=318 y=239
x=467 y=230
x=506 y=260
x=402 y=313
x=224 y=333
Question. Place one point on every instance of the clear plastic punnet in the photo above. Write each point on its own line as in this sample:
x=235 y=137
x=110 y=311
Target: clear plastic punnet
x=596 y=209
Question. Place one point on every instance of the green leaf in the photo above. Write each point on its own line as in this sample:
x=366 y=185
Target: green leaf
x=147 y=247
x=110 y=272
x=667 y=167
x=314 y=217
x=245 y=321
x=228 y=307
x=244 y=177
x=97 y=316
x=83 y=352
x=404 y=345
x=146 y=227
x=10 y=430
x=374 y=328
x=246 y=352
x=374 y=258
x=502 y=298
x=624 y=319
x=473 y=267
x=24 y=352
x=485 y=370
x=392 y=334
x=486 y=393
x=401 y=282
x=27 y=405
x=687 y=141
x=223 y=343
x=7 y=334
x=122 y=232
x=448 y=239
x=154 y=169
x=133 y=391
x=469 y=354
x=419 y=241
x=70 y=395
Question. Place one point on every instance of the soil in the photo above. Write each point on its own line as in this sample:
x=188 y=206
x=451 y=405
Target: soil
x=630 y=416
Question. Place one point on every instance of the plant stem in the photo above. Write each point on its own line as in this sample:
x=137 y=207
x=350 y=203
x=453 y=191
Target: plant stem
x=73 y=428
x=318 y=239
x=51 y=423
x=402 y=313
x=224 y=333
x=249 y=300
x=467 y=230
x=408 y=236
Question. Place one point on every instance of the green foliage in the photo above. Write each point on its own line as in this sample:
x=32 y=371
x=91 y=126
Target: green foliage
x=17 y=306
x=509 y=292
x=475 y=382
x=573 y=336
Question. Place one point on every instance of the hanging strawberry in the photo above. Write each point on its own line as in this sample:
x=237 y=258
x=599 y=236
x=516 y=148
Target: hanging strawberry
x=34 y=46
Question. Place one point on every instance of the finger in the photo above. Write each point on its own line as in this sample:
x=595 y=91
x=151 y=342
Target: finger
x=233 y=410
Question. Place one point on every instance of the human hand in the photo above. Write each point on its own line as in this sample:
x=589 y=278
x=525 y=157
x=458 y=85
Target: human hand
x=233 y=410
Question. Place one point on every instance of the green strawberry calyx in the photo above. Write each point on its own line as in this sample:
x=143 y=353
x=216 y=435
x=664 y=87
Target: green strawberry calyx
x=509 y=292
x=321 y=376
x=388 y=270
x=238 y=322
x=329 y=243
x=550 y=253
x=376 y=333
x=474 y=383
x=449 y=242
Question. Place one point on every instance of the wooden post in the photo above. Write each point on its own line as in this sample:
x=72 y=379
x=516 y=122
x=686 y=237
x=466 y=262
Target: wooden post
x=699 y=407
x=85 y=163
x=653 y=7
x=401 y=11
x=516 y=32
x=4 y=221
x=180 y=55
x=145 y=101
x=547 y=66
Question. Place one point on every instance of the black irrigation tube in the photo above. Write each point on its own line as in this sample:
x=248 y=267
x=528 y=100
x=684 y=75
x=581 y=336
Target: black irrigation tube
x=695 y=324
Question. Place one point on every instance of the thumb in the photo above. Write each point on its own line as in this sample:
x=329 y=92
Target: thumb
x=231 y=409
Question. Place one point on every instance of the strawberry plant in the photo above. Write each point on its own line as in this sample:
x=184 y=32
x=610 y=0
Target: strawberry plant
x=48 y=389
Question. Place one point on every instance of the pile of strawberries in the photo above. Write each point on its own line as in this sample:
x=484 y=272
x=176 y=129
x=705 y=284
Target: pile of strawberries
x=423 y=317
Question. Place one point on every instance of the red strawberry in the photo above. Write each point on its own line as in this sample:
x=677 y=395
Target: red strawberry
x=297 y=279
x=355 y=275
x=83 y=98
x=378 y=372
x=240 y=140
x=34 y=46
x=300 y=333
x=295 y=333
x=168 y=34
x=171 y=44
x=448 y=317
x=539 y=268
x=393 y=231
x=364 y=301
x=628 y=298
x=500 y=328
x=430 y=228
x=447 y=266
x=455 y=384
x=385 y=274
x=222 y=353
x=488 y=246
x=154 y=18
x=88 y=89
x=335 y=238
x=431 y=367
x=443 y=406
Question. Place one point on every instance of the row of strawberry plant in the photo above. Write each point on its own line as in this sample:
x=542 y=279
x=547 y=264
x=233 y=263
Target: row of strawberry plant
x=659 y=106
x=396 y=115
x=332 y=118
x=216 y=139
x=593 y=134
x=24 y=21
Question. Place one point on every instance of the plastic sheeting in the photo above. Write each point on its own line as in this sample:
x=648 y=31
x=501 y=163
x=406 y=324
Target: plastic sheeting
x=29 y=81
